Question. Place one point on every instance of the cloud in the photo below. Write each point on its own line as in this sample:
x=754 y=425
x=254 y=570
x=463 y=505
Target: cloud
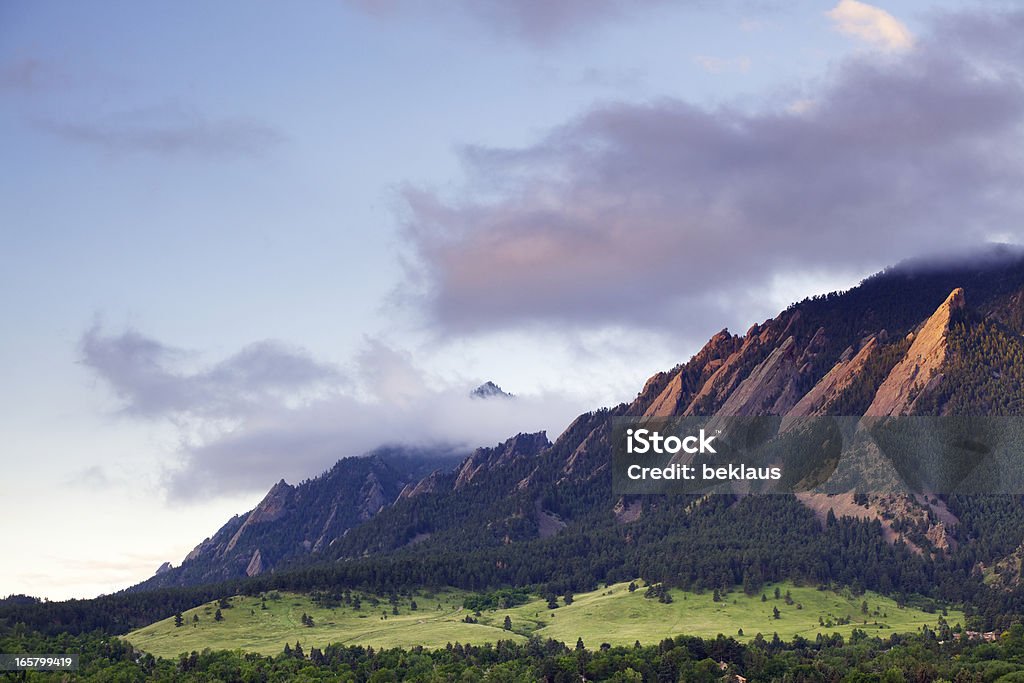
x=665 y=214
x=168 y=131
x=538 y=22
x=152 y=380
x=271 y=411
x=717 y=65
x=302 y=442
x=871 y=24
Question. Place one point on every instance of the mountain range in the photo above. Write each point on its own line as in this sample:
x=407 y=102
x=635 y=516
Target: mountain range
x=921 y=338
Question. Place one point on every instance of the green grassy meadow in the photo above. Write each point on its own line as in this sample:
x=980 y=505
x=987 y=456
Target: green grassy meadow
x=611 y=615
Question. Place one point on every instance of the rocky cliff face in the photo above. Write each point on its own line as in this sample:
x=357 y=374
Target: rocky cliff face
x=294 y=521
x=426 y=485
x=519 y=446
x=849 y=366
x=920 y=369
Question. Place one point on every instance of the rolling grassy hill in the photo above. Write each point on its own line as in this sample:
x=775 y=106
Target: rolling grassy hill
x=612 y=615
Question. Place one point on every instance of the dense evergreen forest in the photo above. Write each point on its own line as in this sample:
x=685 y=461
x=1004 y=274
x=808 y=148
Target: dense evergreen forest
x=942 y=655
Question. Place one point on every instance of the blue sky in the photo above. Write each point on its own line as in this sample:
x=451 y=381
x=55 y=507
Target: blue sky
x=239 y=240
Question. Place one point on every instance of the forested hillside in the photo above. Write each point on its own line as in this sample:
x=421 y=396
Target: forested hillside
x=917 y=339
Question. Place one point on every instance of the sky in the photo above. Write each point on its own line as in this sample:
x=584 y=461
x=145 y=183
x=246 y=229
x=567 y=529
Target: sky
x=241 y=240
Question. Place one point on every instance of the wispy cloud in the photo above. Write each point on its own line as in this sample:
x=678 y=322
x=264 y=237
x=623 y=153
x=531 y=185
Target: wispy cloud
x=665 y=214
x=153 y=379
x=271 y=411
x=871 y=24
x=168 y=131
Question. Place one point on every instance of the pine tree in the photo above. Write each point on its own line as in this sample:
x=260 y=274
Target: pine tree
x=508 y=623
x=579 y=644
x=178 y=620
x=218 y=616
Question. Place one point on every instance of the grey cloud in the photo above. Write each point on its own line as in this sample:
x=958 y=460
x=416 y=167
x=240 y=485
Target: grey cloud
x=664 y=214
x=152 y=379
x=301 y=442
x=269 y=411
x=167 y=131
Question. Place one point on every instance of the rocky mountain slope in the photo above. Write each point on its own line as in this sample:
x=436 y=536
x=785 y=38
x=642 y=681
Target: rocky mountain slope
x=885 y=347
x=293 y=521
x=924 y=339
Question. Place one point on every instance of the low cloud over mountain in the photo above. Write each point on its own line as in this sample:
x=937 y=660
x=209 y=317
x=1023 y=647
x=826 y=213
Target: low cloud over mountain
x=270 y=410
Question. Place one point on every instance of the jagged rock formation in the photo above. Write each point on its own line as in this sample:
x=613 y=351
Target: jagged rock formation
x=921 y=366
x=769 y=386
x=670 y=393
x=294 y=521
x=489 y=390
x=835 y=381
x=428 y=484
x=882 y=348
x=519 y=446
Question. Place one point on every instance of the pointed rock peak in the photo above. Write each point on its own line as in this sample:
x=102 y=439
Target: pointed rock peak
x=165 y=567
x=273 y=505
x=900 y=390
x=489 y=390
x=955 y=300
